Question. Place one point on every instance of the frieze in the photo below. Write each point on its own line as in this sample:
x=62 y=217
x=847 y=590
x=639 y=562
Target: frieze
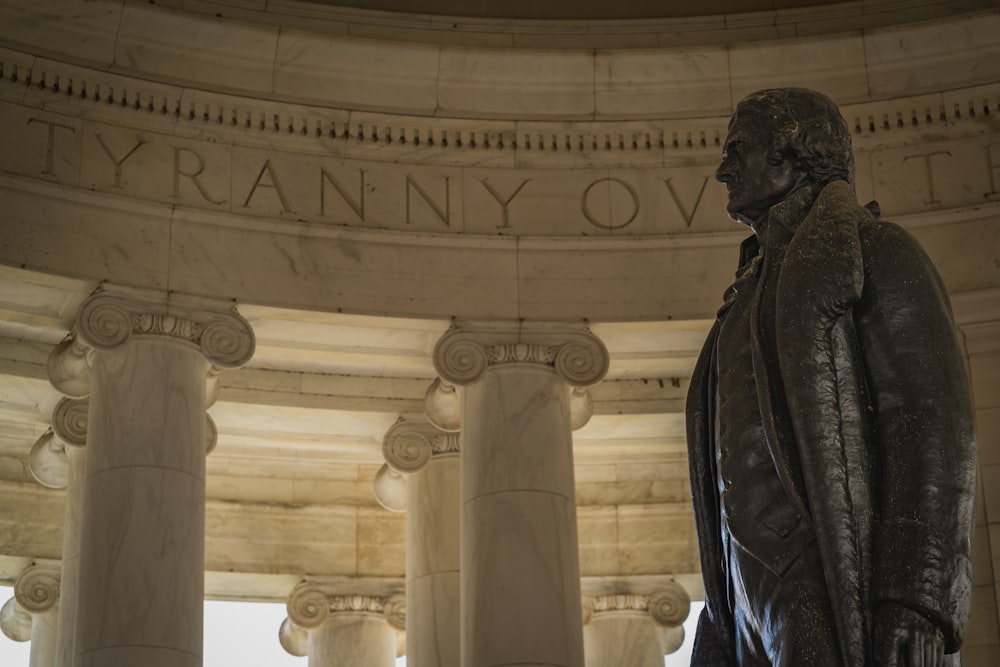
x=525 y=200
x=336 y=167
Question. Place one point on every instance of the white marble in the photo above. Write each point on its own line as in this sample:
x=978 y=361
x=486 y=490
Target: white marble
x=70 y=578
x=623 y=639
x=520 y=562
x=47 y=461
x=349 y=639
x=520 y=581
x=834 y=65
x=926 y=57
x=516 y=433
x=433 y=620
x=432 y=563
x=43 y=638
x=37 y=593
x=536 y=84
x=148 y=40
x=14 y=621
x=87 y=33
x=662 y=83
x=357 y=73
x=142 y=555
x=294 y=640
x=390 y=489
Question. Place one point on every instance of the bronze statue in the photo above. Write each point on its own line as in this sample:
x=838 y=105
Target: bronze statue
x=830 y=430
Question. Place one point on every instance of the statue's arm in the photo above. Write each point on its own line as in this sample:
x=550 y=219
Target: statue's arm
x=710 y=648
x=924 y=480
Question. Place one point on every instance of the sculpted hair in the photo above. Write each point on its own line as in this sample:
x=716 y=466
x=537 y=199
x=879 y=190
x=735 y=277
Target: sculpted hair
x=809 y=126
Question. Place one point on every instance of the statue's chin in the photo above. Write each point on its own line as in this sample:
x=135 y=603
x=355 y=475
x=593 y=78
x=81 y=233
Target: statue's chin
x=739 y=217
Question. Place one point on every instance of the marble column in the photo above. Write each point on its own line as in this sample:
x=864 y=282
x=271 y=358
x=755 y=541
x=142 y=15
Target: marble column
x=630 y=630
x=69 y=424
x=343 y=630
x=429 y=458
x=36 y=594
x=142 y=539
x=520 y=569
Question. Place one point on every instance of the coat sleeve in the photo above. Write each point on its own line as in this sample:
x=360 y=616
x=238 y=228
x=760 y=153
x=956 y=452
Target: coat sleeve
x=924 y=474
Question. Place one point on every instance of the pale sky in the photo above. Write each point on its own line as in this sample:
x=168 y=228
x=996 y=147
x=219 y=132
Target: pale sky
x=246 y=634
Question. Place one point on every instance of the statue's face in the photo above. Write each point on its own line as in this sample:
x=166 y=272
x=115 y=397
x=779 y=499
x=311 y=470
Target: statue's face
x=755 y=178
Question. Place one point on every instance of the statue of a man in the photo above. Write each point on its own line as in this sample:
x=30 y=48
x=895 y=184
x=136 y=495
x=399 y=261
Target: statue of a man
x=830 y=429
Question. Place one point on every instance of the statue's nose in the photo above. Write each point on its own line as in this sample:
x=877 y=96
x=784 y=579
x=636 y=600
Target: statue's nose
x=724 y=174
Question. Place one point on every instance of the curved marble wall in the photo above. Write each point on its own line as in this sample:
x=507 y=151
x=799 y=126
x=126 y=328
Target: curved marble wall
x=162 y=149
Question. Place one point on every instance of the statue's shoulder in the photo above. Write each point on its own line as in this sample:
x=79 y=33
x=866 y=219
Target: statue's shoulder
x=884 y=236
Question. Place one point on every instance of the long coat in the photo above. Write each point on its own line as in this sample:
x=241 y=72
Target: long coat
x=862 y=389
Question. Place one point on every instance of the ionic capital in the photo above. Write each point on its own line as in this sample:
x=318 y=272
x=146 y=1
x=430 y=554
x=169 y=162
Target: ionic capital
x=581 y=407
x=311 y=604
x=37 y=588
x=48 y=463
x=668 y=606
x=443 y=405
x=408 y=445
x=109 y=318
x=293 y=639
x=15 y=622
x=69 y=421
x=68 y=367
x=390 y=489
x=463 y=354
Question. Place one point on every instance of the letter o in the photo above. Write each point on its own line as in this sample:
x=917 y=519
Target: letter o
x=610 y=225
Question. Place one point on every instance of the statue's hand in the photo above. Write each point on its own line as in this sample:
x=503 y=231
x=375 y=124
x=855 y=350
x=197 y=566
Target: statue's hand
x=904 y=638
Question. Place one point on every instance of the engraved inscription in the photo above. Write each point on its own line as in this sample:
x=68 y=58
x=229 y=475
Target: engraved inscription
x=688 y=216
x=329 y=188
x=119 y=161
x=51 y=141
x=610 y=219
x=271 y=183
x=504 y=203
x=357 y=204
x=442 y=212
x=192 y=174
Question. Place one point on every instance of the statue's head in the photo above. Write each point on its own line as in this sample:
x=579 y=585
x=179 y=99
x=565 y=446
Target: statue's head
x=780 y=140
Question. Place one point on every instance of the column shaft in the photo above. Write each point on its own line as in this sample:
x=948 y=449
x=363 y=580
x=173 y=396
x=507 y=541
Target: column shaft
x=76 y=459
x=432 y=564
x=43 y=638
x=520 y=563
x=623 y=639
x=141 y=580
x=352 y=640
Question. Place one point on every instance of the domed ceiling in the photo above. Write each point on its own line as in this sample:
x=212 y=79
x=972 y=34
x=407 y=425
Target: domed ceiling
x=574 y=9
